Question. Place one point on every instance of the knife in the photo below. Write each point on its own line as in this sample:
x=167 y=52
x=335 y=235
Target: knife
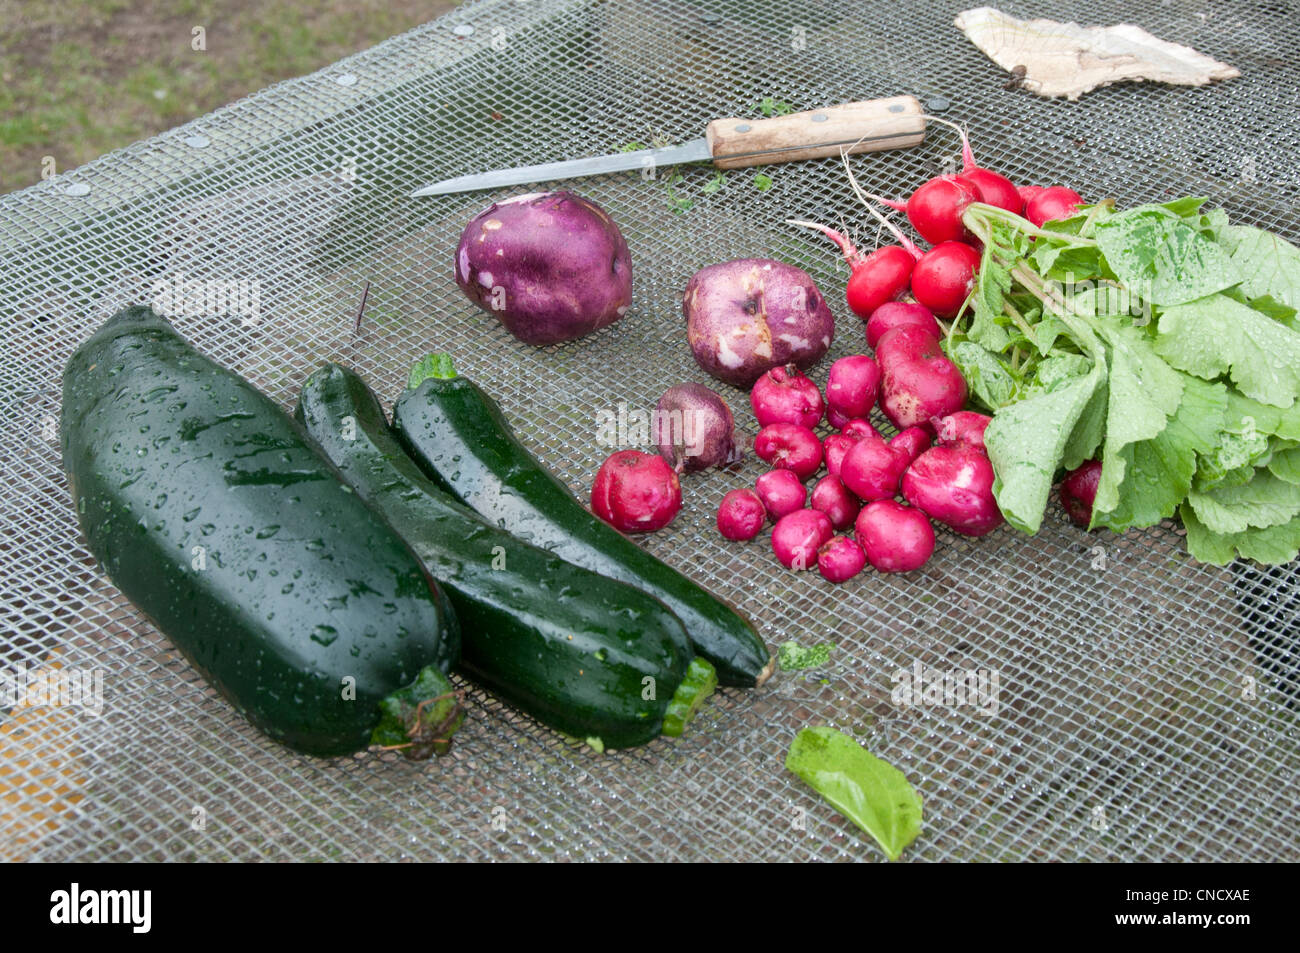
x=894 y=123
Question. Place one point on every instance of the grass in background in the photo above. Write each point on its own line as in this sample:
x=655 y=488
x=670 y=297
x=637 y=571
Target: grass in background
x=79 y=78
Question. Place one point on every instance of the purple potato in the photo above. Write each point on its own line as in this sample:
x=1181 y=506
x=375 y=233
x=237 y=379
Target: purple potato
x=694 y=428
x=551 y=266
x=745 y=317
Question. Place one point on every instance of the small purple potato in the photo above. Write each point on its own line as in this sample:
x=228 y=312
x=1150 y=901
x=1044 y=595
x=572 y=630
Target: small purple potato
x=694 y=428
x=745 y=317
x=551 y=266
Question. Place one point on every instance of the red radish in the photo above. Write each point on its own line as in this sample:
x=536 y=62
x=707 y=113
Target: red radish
x=911 y=442
x=881 y=277
x=897 y=314
x=797 y=536
x=789 y=447
x=1027 y=192
x=834 y=449
x=964 y=428
x=874 y=279
x=840 y=559
x=741 y=515
x=905 y=345
x=872 y=469
x=944 y=277
x=835 y=418
x=1052 y=203
x=954 y=485
x=915 y=392
x=831 y=497
x=857 y=429
x=1078 y=490
x=781 y=492
x=885 y=274
x=786 y=395
x=993 y=188
x=936 y=207
x=852 y=385
x=636 y=492
x=894 y=537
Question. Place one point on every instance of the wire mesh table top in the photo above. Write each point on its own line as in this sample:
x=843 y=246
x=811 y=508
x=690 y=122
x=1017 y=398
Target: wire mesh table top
x=1147 y=703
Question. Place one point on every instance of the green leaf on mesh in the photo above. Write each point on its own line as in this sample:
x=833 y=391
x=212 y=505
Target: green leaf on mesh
x=1164 y=258
x=987 y=378
x=1026 y=442
x=1217 y=335
x=1269 y=264
x=1158 y=472
x=1248 y=417
x=1263 y=502
x=1231 y=461
x=1273 y=546
x=1144 y=393
x=1285 y=465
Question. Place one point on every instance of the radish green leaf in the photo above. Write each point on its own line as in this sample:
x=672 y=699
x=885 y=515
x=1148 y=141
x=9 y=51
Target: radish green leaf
x=872 y=793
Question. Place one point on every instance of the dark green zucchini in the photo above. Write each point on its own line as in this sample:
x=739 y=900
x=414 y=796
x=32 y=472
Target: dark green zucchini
x=459 y=436
x=584 y=654
x=212 y=512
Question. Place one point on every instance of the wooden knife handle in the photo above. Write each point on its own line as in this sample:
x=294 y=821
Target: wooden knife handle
x=894 y=123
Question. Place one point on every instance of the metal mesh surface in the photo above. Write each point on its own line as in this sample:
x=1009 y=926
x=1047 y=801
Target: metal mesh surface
x=1126 y=729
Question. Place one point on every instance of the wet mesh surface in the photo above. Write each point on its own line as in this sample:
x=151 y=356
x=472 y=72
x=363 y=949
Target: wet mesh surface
x=1126 y=728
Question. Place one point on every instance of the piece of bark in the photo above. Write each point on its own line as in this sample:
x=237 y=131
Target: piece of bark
x=1065 y=59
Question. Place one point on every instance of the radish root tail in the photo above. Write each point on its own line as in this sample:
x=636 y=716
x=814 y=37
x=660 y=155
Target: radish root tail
x=967 y=156
x=851 y=254
x=866 y=199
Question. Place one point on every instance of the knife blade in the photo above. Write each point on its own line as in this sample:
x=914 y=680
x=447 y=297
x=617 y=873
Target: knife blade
x=871 y=126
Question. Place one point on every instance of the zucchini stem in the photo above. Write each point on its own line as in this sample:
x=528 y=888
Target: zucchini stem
x=700 y=681
x=437 y=366
x=420 y=719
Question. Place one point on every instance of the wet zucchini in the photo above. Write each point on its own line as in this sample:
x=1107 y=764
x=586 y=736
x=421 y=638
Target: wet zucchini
x=587 y=655
x=459 y=437
x=209 y=508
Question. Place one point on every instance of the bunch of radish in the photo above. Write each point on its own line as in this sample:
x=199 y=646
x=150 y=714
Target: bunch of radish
x=936 y=460
x=921 y=394
x=940 y=279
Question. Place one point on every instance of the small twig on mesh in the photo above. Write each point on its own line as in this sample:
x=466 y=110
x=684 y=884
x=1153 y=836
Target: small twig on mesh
x=356 y=325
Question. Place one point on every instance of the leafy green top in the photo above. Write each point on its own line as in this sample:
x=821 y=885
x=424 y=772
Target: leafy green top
x=1160 y=339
